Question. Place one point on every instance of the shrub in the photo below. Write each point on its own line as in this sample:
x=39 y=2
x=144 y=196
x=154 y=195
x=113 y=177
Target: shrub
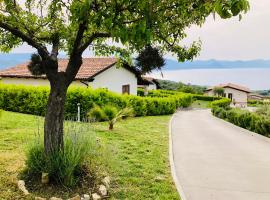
x=64 y=166
x=254 y=102
x=33 y=100
x=206 y=98
x=245 y=119
x=224 y=102
x=264 y=110
x=96 y=113
x=140 y=92
x=83 y=156
x=110 y=113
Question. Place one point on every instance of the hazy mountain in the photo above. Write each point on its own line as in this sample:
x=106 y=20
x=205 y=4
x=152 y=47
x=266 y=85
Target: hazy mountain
x=8 y=60
x=216 y=64
x=13 y=59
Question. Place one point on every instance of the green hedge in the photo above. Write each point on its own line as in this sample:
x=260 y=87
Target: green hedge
x=205 y=98
x=224 y=102
x=33 y=100
x=255 y=102
x=168 y=93
x=245 y=119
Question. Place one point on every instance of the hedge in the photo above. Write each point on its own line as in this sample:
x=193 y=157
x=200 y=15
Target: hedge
x=167 y=93
x=205 y=98
x=33 y=100
x=255 y=102
x=245 y=119
x=224 y=102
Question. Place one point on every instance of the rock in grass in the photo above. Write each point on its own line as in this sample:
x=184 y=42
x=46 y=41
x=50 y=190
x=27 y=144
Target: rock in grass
x=102 y=190
x=40 y=198
x=45 y=178
x=21 y=186
x=86 y=197
x=77 y=197
x=95 y=196
x=106 y=181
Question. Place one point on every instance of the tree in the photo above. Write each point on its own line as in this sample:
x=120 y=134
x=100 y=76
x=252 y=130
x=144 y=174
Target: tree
x=75 y=25
x=218 y=91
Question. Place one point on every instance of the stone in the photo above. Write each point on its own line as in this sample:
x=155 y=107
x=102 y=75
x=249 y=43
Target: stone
x=106 y=181
x=159 y=178
x=55 y=198
x=21 y=186
x=77 y=197
x=86 y=197
x=102 y=190
x=40 y=198
x=45 y=178
x=95 y=196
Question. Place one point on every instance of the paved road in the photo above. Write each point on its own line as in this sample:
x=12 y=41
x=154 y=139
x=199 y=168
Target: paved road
x=215 y=160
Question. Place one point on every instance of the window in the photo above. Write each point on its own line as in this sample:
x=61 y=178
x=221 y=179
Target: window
x=230 y=96
x=126 y=89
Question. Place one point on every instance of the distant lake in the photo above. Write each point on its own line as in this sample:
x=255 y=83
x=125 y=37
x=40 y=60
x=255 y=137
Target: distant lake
x=254 y=78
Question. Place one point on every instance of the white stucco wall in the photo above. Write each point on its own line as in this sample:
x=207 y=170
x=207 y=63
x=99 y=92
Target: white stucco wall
x=32 y=81
x=114 y=78
x=152 y=87
x=239 y=97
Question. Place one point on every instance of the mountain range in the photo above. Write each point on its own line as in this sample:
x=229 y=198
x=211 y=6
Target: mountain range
x=12 y=59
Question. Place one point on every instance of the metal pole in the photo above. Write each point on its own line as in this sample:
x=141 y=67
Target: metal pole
x=79 y=112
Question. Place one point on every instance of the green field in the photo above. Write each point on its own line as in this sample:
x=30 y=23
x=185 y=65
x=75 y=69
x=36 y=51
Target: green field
x=140 y=146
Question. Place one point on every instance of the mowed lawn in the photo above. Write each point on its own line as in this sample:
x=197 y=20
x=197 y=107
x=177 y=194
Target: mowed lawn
x=140 y=148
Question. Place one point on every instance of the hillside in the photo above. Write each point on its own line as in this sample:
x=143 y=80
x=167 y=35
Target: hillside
x=216 y=64
x=8 y=60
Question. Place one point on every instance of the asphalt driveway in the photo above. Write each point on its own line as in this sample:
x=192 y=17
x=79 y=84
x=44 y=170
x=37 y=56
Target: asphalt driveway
x=215 y=160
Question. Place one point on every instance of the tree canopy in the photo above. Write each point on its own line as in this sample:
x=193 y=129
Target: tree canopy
x=74 y=25
x=218 y=91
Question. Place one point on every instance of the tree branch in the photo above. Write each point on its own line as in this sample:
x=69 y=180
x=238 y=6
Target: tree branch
x=42 y=50
x=92 y=38
x=55 y=46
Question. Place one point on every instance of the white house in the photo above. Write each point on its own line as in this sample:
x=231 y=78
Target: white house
x=94 y=72
x=149 y=83
x=238 y=94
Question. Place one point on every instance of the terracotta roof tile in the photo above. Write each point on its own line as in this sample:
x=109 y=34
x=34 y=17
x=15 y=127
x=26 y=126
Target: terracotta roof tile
x=231 y=85
x=89 y=68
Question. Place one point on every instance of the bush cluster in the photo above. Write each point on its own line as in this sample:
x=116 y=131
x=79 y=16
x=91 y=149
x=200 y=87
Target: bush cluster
x=33 y=100
x=255 y=102
x=81 y=157
x=224 y=103
x=167 y=93
x=245 y=119
x=205 y=98
x=109 y=113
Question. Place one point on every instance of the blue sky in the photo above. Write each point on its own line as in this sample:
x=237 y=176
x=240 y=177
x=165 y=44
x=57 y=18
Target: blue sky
x=228 y=39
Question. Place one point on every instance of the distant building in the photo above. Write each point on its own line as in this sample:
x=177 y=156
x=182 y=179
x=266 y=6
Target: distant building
x=255 y=96
x=148 y=83
x=238 y=94
x=94 y=72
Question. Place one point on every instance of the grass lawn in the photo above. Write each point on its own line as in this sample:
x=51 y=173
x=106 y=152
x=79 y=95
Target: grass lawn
x=201 y=104
x=141 y=169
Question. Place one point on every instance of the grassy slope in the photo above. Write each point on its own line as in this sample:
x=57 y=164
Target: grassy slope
x=141 y=145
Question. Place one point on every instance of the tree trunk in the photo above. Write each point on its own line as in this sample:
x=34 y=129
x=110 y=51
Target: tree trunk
x=54 y=118
x=110 y=126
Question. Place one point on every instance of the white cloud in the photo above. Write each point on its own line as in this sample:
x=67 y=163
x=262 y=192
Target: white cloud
x=233 y=39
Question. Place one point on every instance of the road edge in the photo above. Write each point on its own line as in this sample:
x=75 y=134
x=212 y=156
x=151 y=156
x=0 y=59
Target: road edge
x=171 y=157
